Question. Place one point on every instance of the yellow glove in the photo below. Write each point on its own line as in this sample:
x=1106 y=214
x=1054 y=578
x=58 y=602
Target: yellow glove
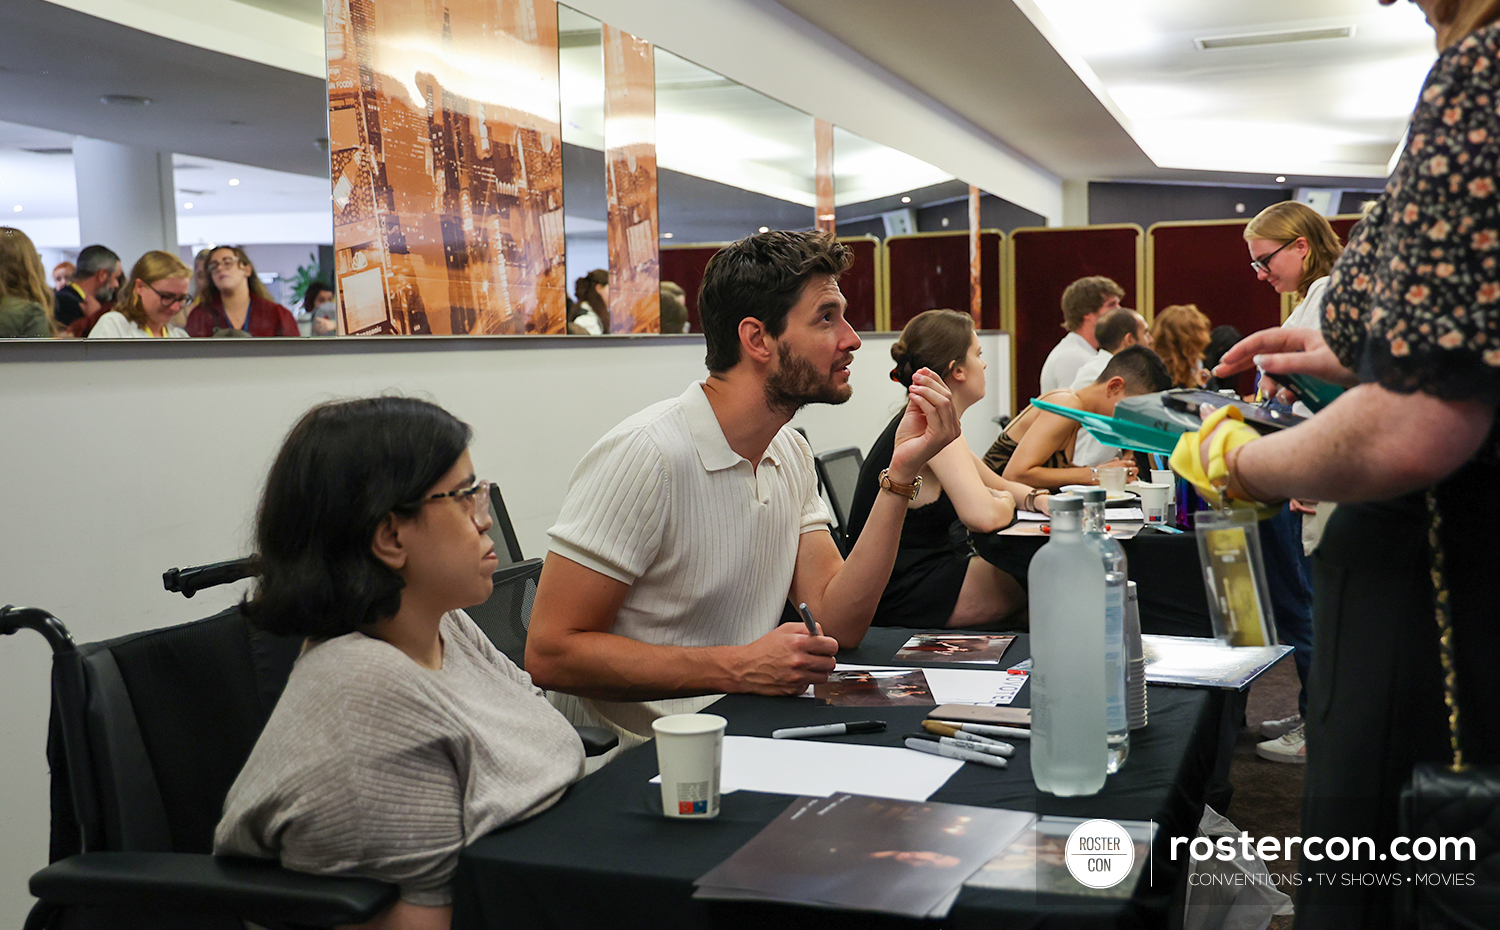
x=1213 y=482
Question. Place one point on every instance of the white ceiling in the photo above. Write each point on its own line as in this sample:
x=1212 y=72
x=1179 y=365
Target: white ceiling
x=1089 y=89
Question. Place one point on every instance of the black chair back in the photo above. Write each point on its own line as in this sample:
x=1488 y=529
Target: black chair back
x=838 y=470
x=506 y=616
x=507 y=546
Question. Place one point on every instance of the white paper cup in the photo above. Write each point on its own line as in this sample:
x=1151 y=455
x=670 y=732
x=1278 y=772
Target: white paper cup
x=690 y=752
x=1112 y=479
x=1154 y=499
x=1164 y=476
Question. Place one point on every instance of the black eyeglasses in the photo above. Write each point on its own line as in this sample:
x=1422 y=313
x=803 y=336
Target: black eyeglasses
x=476 y=496
x=169 y=300
x=1260 y=263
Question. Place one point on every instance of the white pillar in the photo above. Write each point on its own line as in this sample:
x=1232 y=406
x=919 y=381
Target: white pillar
x=1075 y=197
x=126 y=198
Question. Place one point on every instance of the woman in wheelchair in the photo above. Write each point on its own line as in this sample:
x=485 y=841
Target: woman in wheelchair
x=403 y=734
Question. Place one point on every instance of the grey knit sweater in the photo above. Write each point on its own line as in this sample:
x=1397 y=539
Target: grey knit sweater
x=374 y=766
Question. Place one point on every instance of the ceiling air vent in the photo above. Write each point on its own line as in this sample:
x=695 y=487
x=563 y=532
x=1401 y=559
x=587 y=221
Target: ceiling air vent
x=1253 y=39
x=60 y=150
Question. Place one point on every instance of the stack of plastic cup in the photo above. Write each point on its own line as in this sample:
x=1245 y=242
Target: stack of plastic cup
x=1135 y=662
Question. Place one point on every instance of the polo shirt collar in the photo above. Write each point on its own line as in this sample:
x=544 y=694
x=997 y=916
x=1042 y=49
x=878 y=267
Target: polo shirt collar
x=708 y=436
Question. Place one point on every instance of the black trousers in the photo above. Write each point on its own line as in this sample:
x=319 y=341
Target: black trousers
x=1376 y=703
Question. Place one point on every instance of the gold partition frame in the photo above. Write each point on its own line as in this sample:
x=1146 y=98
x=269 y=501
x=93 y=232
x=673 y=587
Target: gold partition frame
x=1008 y=283
x=883 y=317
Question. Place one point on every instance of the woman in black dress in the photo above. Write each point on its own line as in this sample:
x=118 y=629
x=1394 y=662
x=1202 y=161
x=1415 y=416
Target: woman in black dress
x=937 y=580
x=1410 y=321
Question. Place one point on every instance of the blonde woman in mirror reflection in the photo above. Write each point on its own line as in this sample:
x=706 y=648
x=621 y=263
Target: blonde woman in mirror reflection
x=937 y=580
x=25 y=298
x=235 y=303
x=592 y=315
x=157 y=289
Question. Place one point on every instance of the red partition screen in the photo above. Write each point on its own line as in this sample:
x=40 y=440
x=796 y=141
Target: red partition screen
x=1046 y=261
x=684 y=264
x=931 y=270
x=1208 y=264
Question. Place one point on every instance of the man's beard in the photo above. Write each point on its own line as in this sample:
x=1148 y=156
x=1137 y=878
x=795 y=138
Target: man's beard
x=796 y=383
x=105 y=294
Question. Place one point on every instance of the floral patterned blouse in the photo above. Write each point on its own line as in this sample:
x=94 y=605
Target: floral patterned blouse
x=1414 y=302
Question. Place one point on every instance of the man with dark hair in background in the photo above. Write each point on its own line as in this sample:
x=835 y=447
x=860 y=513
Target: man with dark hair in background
x=688 y=527
x=1083 y=303
x=1116 y=330
x=92 y=285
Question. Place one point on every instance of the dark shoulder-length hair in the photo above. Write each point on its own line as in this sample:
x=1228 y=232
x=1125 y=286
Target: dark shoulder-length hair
x=342 y=469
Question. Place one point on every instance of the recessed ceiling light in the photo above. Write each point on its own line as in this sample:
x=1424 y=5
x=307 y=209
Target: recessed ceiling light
x=765 y=229
x=234 y=182
x=906 y=200
x=188 y=205
x=1280 y=179
x=666 y=235
x=16 y=208
x=125 y=100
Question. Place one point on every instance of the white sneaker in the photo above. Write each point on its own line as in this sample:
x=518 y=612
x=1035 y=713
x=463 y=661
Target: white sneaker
x=1289 y=747
x=1274 y=728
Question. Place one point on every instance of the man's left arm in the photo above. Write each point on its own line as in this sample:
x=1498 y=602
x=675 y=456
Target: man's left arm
x=843 y=593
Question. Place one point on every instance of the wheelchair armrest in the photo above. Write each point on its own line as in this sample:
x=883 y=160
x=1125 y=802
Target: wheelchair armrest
x=259 y=890
x=597 y=740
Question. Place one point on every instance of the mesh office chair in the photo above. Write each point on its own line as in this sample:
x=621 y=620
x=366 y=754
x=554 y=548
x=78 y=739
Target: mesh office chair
x=148 y=732
x=506 y=616
x=838 y=469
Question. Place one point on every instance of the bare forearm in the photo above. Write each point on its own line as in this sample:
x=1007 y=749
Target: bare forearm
x=849 y=601
x=616 y=668
x=1039 y=476
x=1371 y=444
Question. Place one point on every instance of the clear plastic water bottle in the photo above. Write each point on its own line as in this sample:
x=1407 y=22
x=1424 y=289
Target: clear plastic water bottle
x=1066 y=578
x=1116 y=574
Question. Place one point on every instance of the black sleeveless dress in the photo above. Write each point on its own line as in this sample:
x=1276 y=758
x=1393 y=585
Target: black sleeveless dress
x=933 y=557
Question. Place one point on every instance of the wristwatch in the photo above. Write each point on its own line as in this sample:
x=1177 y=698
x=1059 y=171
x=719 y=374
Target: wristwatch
x=908 y=491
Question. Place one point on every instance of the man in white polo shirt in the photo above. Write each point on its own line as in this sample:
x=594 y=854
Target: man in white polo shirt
x=1083 y=303
x=688 y=526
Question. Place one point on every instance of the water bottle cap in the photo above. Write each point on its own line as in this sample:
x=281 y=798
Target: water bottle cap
x=1066 y=503
x=1094 y=495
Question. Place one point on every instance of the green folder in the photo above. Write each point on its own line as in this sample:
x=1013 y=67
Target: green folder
x=1118 y=433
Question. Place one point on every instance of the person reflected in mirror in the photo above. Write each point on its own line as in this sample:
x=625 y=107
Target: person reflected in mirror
x=157 y=288
x=1036 y=448
x=25 y=298
x=403 y=734
x=92 y=288
x=320 y=303
x=62 y=272
x=592 y=291
x=235 y=302
x=674 y=315
x=937 y=580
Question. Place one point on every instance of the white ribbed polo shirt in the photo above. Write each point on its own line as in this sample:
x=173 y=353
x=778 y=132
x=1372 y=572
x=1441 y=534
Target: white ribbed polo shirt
x=706 y=540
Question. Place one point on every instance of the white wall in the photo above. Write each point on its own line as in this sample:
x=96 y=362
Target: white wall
x=122 y=460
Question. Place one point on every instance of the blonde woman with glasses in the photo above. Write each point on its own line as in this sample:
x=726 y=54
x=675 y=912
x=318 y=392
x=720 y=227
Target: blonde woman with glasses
x=157 y=289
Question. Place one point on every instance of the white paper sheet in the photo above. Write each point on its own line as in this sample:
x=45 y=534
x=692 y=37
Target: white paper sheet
x=816 y=768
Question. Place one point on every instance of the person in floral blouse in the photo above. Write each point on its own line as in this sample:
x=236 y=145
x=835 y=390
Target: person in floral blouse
x=1411 y=323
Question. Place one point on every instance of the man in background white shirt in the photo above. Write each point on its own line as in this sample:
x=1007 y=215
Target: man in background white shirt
x=1116 y=330
x=1083 y=303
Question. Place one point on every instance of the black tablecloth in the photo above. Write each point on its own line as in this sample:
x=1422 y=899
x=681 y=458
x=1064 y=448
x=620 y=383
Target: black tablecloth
x=1163 y=566
x=604 y=856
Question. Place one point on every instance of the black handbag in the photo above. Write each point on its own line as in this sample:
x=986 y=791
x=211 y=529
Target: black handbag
x=1442 y=804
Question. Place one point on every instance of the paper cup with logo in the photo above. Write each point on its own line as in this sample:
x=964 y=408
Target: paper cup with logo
x=1154 y=499
x=690 y=752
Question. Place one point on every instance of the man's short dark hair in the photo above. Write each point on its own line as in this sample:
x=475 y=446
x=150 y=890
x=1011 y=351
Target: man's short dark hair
x=1085 y=296
x=92 y=259
x=1143 y=371
x=1113 y=327
x=761 y=277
